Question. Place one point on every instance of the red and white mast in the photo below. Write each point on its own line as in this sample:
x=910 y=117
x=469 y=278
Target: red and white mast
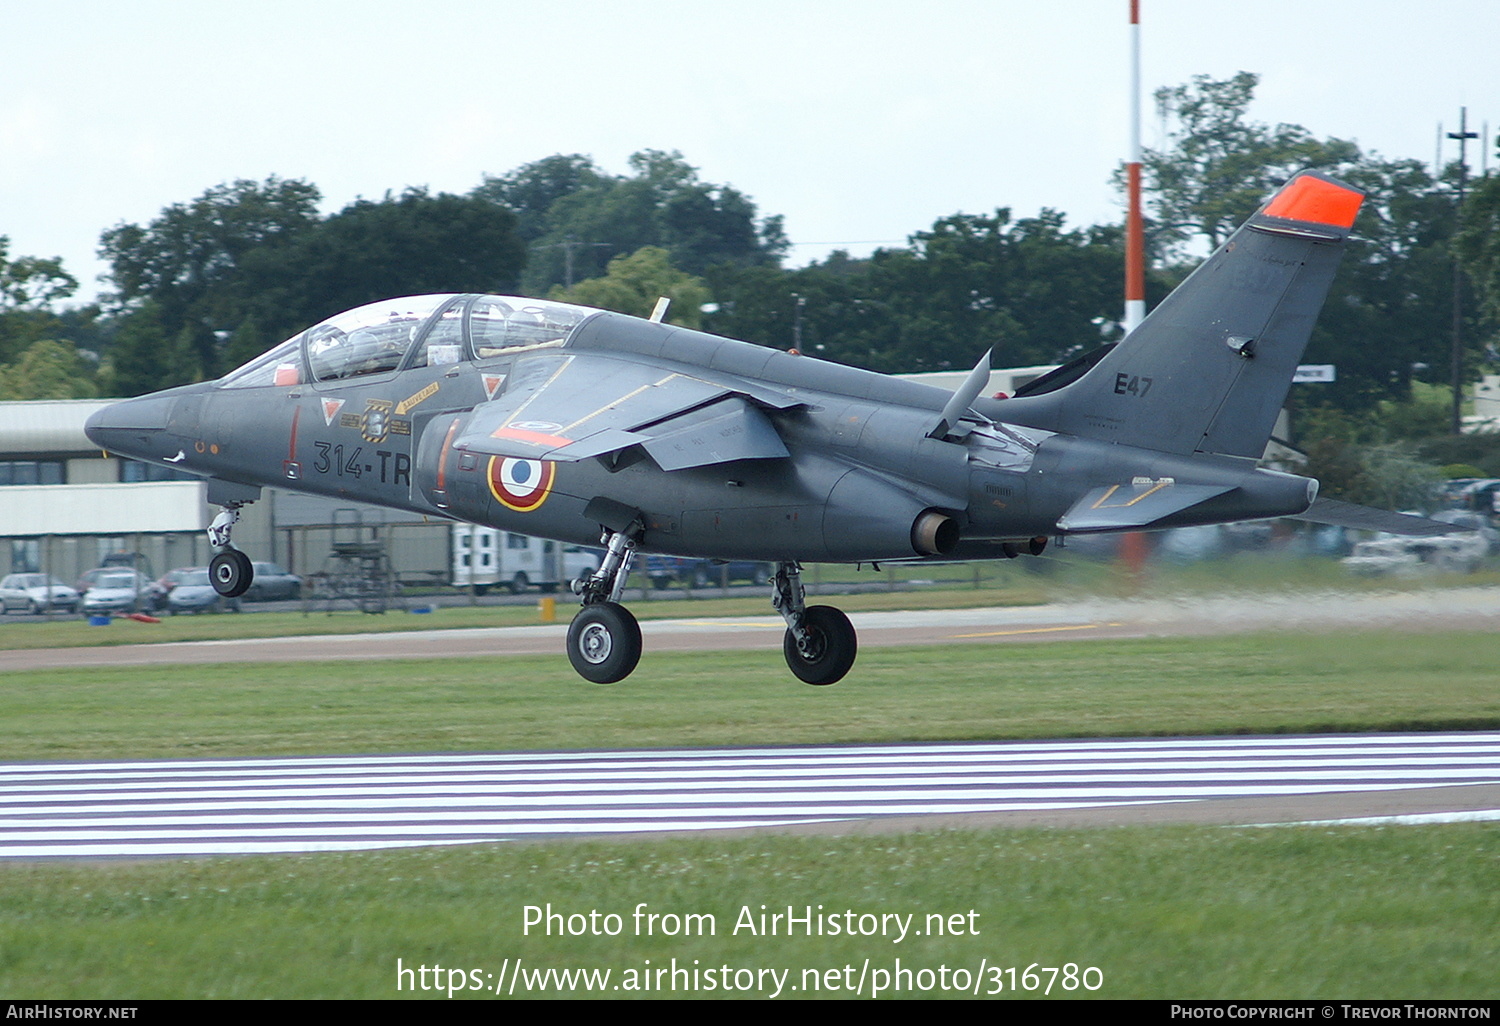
x=1135 y=236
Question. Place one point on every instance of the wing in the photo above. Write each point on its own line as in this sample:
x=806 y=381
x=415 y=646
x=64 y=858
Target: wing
x=573 y=406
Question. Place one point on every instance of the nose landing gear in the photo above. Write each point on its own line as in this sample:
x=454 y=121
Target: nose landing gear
x=229 y=570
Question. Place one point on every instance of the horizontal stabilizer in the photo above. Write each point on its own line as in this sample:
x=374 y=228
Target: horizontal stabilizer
x=1118 y=507
x=1367 y=518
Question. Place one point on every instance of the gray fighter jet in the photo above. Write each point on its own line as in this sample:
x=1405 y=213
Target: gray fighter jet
x=583 y=425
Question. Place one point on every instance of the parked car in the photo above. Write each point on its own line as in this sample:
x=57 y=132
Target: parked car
x=36 y=593
x=1462 y=551
x=121 y=590
x=664 y=571
x=272 y=582
x=193 y=592
x=172 y=578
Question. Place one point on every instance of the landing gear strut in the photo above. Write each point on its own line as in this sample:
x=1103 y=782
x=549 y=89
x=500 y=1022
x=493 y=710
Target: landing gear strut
x=820 y=643
x=604 y=640
x=229 y=570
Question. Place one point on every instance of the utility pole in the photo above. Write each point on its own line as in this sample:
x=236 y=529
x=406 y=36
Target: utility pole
x=1463 y=135
x=569 y=246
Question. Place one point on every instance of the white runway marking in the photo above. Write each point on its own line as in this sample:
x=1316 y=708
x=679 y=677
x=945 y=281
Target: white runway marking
x=227 y=806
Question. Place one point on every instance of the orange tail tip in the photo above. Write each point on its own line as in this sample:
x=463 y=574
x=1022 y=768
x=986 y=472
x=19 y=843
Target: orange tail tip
x=1318 y=201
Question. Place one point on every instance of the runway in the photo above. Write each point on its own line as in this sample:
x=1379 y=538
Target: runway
x=1429 y=610
x=243 y=806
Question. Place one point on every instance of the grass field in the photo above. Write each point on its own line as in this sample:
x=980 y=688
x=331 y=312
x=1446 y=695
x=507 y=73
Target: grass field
x=1307 y=912
x=1166 y=913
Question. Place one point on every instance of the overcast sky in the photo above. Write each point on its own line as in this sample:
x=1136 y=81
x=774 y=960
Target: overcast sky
x=861 y=122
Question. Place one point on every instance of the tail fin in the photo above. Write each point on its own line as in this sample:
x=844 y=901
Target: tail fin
x=1208 y=369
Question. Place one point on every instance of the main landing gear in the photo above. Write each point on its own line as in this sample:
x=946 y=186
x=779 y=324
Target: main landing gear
x=229 y=570
x=604 y=640
x=820 y=643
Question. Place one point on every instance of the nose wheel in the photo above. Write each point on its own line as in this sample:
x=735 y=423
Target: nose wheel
x=231 y=573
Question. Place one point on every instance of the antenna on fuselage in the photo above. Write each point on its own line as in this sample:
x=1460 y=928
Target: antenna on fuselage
x=661 y=309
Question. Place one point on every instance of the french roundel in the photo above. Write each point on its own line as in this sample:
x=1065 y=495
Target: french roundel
x=521 y=485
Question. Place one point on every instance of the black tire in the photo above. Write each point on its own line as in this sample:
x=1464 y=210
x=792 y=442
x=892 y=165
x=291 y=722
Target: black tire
x=604 y=642
x=519 y=583
x=33 y=607
x=231 y=573
x=832 y=647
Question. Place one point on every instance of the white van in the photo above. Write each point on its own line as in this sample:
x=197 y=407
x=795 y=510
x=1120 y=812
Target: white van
x=485 y=557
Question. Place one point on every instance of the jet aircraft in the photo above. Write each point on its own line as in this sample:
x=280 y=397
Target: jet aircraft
x=592 y=427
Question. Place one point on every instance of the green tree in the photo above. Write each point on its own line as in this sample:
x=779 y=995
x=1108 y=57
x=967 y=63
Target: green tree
x=1219 y=166
x=1385 y=321
x=1479 y=243
x=531 y=189
x=1032 y=289
x=29 y=286
x=48 y=369
x=576 y=218
x=633 y=284
x=190 y=261
x=407 y=245
x=32 y=283
x=1356 y=461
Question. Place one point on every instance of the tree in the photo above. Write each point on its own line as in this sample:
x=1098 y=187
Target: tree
x=1032 y=289
x=190 y=261
x=1385 y=321
x=48 y=369
x=1219 y=166
x=28 y=288
x=1479 y=243
x=211 y=283
x=633 y=284
x=412 y=244
x=32 y=283
x=576 y=218
x=531 y=189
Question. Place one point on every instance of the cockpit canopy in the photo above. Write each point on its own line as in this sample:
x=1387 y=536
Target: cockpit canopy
x=415 y=331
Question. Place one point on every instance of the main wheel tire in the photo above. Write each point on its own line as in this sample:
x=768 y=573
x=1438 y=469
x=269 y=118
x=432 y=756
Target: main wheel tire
x=604 y=642
x=832 y=646
x=231 y=573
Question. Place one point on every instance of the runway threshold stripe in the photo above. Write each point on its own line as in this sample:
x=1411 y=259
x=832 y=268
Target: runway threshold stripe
x=1483 y=742
x=295 y=776
x=343 y=803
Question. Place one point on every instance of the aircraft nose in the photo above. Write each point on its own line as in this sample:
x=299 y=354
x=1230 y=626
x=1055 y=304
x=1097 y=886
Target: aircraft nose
x=131 y=427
